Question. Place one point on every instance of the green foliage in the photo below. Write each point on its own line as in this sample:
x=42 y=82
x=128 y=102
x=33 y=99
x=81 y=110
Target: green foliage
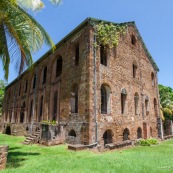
x=166 y=101
x=49 y=122
x=20 y=35
x=109 y=34
x=2 y=90
x=148 y=142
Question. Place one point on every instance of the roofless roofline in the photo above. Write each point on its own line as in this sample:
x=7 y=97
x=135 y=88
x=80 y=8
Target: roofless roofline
x=78 y=28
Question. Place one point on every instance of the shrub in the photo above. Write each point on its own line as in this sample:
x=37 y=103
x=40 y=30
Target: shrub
x=148 y=142
x=153 y=141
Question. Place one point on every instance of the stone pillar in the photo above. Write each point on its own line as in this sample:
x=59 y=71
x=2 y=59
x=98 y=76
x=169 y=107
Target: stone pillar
x=3 y=156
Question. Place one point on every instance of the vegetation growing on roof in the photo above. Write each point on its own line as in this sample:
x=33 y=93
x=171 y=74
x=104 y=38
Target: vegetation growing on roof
x=108 y=34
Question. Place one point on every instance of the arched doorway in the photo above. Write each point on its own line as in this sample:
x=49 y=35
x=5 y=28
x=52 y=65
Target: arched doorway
x=22 y=113
x=139 y=133
x=126 y=134
x=107 y=136
x=72 y=133
x=8 y=130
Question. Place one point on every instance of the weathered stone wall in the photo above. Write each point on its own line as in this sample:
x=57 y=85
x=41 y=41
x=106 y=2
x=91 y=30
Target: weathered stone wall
x=20 y=129
x=71 y=75
x=118 y=74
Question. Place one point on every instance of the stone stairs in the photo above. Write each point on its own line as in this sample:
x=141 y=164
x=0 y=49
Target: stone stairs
x=33 y=138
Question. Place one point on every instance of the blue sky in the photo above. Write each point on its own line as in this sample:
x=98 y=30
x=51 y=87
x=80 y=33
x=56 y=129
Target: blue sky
x=153 y=19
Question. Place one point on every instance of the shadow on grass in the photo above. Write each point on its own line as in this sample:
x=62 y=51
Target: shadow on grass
x=14 y=148
x=15 y=158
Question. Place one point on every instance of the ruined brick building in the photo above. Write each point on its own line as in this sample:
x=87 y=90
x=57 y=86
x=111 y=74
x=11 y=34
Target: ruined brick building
x=93 y=94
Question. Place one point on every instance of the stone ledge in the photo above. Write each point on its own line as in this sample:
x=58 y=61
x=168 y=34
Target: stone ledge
x=77 y=147
x=121 y=144
x=168 y=137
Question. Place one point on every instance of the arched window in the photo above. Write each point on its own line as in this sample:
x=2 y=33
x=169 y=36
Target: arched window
x=74 y=99
x=41 y=109
x=72 y=133
x=139 y=133
x=134 y=69
x=31 y=111
x=155 y=107
x=126 y=134
x=19 y=89
x=107 y=136
x=34 y=81
x=133 y=40
x=55 y=101
x=59 y=66
x=153 y=79
x=15 y=116
x=105 y=99
x=103 y=55
x=123 y=100
x=146 y=105
x=136 y=101
x=26 y=86
x=44 y=75
x=22 y=113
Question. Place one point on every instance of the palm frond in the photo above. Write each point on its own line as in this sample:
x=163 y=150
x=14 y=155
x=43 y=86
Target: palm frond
x=23 y=35
x=35 y=5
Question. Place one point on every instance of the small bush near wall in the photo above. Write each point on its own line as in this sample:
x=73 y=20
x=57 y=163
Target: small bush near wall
x=148 y=142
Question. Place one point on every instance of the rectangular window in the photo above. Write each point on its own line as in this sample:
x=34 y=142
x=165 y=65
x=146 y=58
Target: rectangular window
x=123 y=101
x=146 y=107
x=34 y=82
x=44 y=75
x=134 y=70
x=26 y=86
x=77 y=56
x=58 y=66
x=103 y=55
x=19 y=89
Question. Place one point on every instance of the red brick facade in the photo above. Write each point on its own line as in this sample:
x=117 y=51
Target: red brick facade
x=95 y=102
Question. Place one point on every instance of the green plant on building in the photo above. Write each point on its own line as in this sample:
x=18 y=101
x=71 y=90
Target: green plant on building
x=108 y=34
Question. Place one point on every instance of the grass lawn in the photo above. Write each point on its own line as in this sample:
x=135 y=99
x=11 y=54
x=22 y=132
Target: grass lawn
x=57 y=159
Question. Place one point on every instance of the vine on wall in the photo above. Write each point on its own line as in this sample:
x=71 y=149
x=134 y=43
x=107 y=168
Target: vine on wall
x=109 y=34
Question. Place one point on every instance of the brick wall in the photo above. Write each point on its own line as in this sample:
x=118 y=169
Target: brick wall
x=118 y=74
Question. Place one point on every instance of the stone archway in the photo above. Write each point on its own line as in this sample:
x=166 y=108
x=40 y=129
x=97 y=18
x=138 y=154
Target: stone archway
x=107 y=136
x=139 y=133
x=126 y=134
x=72 y=133
x=8 y=130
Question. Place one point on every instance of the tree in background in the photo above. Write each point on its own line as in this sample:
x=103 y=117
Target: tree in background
x=20 y=33
x=166 y=101
x=2 y=90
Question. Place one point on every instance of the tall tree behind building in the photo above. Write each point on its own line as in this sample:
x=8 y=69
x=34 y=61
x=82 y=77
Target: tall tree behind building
x=166 y=101
x=2 y=90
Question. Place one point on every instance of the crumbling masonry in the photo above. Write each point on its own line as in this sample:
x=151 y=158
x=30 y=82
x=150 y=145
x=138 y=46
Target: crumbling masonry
x=95 y=95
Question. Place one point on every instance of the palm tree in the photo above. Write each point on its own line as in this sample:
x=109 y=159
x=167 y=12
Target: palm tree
x=20 y=33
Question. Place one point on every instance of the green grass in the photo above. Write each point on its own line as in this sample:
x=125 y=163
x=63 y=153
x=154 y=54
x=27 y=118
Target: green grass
x=57 y=159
